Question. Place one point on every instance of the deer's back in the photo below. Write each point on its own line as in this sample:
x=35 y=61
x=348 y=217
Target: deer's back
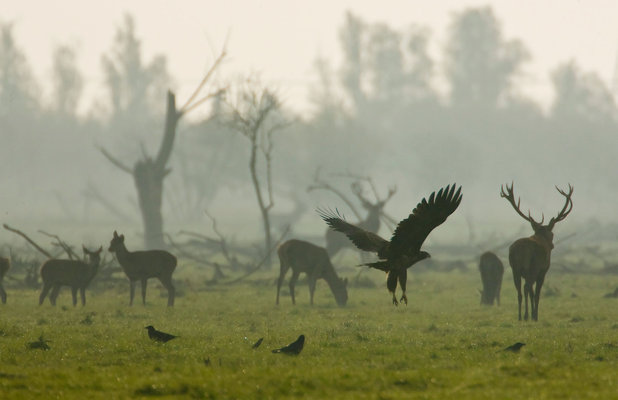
x=65 y=272
x=149 y=263
x=303 y=256
x=491 y=267
x=529 y=257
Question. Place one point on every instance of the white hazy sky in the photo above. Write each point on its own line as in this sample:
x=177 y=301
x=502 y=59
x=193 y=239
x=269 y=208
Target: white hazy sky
x=281 y=38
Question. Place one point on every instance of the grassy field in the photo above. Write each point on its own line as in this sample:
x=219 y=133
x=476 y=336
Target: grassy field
x=442 y=345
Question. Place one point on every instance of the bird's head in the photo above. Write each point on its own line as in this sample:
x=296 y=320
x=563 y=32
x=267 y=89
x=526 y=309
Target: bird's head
x=149 y=327
x=423 y=255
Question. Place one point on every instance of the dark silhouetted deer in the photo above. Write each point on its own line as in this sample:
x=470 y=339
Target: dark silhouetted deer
x=336 y=241
x=313 y=260
x=141 y=265
x=5 y=264
x=530 y=257
x=74 y=273
x=492 y=271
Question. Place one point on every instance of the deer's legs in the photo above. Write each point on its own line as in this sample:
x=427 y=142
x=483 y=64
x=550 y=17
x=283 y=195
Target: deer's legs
x=537 y=297
x=403 y=279
x=82 y=292
x=74 y=295
x=171 y=290
x=283 y=269
x=46 y=288
x=144 y=284
x=131 y=291
x=528 y=294
x=3 y=294
x=293 y=280
x=54 y=294
x=517 y=281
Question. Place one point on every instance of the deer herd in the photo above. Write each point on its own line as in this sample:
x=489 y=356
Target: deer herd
x=528 y=257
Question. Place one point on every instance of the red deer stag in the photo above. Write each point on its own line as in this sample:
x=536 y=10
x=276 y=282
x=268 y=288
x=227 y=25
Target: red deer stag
x=141 y=265
x=492 y=271
x=74 y=273
x=5 y=264
x=530 y=257
x=313 y=260
x=335 y=241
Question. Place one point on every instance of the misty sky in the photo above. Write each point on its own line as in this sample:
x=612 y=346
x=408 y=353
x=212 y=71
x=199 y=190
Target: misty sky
x=281 y=39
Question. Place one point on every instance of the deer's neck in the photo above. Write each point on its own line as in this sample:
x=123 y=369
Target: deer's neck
x=542 y=241
x=122 y=254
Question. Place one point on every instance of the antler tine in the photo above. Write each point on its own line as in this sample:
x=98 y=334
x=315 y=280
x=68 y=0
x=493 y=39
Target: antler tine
x=568 y=205
x=511 y=199
x=357 y=189
x=391 y=192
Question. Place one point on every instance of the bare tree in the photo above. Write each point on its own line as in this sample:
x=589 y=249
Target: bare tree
x=149 y=173
x=254 y=111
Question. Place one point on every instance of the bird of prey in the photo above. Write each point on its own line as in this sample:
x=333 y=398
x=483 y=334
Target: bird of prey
x=515 y=347
x=404 y=248
x=158 y=336
x=293 y=348
x=257 y=344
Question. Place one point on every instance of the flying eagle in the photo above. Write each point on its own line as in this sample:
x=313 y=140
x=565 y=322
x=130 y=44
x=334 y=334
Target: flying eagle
x=404 y=248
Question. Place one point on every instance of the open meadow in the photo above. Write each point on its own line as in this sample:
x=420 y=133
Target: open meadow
x=442 y=345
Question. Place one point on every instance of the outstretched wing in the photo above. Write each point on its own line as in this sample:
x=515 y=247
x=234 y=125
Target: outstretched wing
x=364 y=240
x=428 y=214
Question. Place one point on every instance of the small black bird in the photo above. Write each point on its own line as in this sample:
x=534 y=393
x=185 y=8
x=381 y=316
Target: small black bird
x=159 y=336
x=39 y=344
x=258 y=343
x=515 y=347
x=293 y=348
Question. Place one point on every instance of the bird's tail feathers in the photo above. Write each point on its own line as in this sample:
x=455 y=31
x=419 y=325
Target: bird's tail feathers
x=381 y=265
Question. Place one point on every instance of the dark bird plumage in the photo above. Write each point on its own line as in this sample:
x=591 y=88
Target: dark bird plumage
x=515 y=347
x=39 y=344
x=159 y=336
x=293 y=348
x=404 y=248
x=258 y=343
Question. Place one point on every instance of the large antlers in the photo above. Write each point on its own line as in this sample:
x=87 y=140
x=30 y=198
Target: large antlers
x=511 y=199
x=568 y=206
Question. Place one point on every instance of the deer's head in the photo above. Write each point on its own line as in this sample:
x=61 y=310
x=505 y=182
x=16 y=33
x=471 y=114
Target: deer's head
x=93 y=256
x=116 y=242
x=540 y=230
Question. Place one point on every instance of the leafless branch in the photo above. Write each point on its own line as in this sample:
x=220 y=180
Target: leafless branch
x=36 y=246
x=187 y=106
x=62 y=244
x=114 y=161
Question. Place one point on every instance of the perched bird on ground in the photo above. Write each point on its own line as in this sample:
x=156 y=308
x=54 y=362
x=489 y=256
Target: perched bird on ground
x=515 y=347
x=39 y=344
x=404 y=248
x=293 y=348
x=258 y=343
x=207 y=362
x=159 y=336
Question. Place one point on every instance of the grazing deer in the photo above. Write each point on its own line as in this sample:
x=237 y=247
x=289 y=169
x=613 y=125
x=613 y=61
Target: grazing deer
x=313 y=260
x=5 y=264
x=335 y=241
x=74 y=273
x=141 y=265
x=530 y=257
x=491 y=275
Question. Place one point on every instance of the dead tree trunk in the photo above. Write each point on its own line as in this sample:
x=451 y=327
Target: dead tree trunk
x=148 y=174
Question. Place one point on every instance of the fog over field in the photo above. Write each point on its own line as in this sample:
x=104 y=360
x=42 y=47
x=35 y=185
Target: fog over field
x=410 y=95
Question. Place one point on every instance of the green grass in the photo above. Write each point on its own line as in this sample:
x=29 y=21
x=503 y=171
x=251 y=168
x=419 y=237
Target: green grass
x=442 y=345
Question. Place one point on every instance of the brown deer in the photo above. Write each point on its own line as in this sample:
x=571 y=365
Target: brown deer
x=335 y=241
x=313 y=260
x=141 y=265
x=530 y=257
x=492 y=270
x=74 y=273
x=5 y=264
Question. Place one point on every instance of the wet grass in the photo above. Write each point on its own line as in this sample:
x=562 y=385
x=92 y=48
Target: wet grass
x=442 y=345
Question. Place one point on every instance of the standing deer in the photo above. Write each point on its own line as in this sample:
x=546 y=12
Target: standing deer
x=74 y=273
x=492 y=271
x=335 y=241
x=313 y=260
x=5 y=264
x=141 y=265
x=530 y=257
